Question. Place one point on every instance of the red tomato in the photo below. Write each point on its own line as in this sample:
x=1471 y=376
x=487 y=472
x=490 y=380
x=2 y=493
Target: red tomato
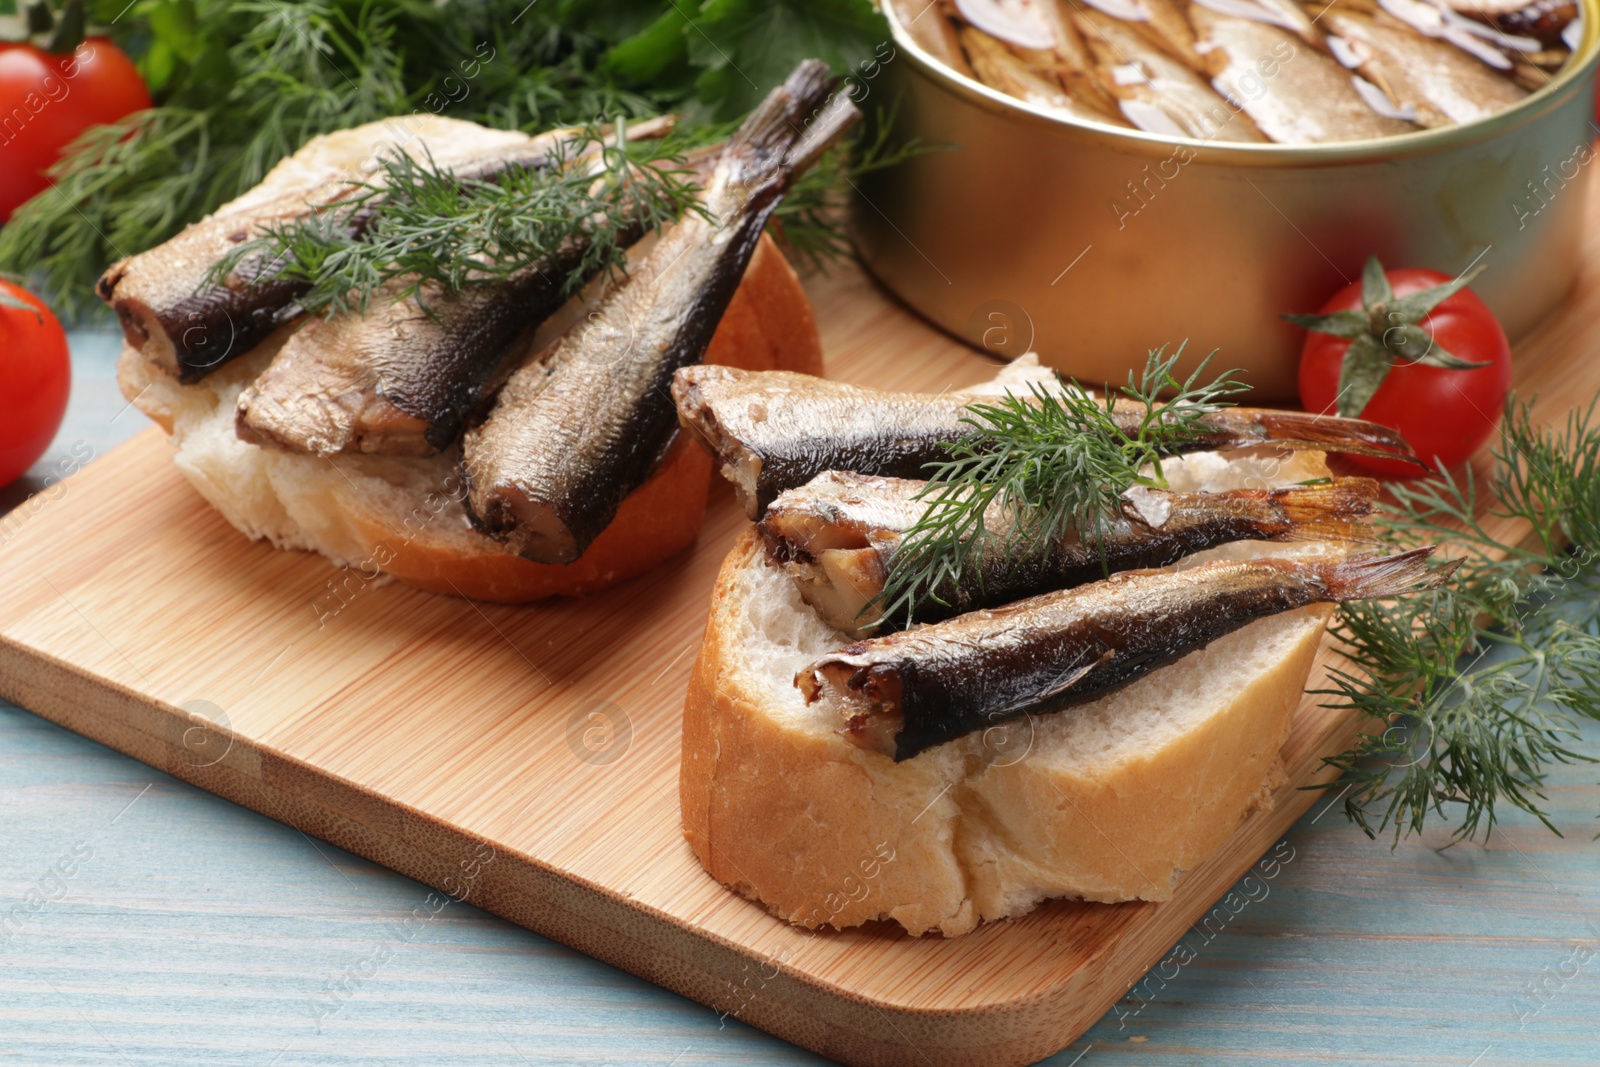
x=35 y=378
x=47 y=100
x=1446 y=415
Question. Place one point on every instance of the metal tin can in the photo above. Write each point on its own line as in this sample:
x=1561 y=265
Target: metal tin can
x=1092 y=244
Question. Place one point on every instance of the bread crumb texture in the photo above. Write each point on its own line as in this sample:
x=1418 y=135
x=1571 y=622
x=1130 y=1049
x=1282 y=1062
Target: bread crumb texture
x=1109 y=801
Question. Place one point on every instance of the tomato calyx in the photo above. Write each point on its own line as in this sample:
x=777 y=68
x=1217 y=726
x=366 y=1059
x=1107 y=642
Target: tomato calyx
x=39 y=23
x=9 y=301
x=1386 y=332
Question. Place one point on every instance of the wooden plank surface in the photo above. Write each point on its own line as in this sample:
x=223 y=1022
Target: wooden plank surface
x=446 y=770
x=199 y=931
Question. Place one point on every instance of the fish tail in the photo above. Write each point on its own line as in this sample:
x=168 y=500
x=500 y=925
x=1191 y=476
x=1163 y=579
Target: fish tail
x=1333 y=512
x=796 y=121
x=1298 y=430
x=1382 y=577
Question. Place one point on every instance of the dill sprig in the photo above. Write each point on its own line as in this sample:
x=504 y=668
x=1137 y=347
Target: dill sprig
x=1053 y=462
x=596 y=196
x=1476 y=688
x=292 y=70
x=239 y=84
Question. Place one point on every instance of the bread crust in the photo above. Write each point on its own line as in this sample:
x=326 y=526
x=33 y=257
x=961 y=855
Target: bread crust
x=788 y=812
x=795 y=818
x=292 y=500
x=670 y=506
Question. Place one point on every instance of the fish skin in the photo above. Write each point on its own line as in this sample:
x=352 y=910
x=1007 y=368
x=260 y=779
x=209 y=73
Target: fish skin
x=189 y=327
x=1543 y=20
x=1171 y=88
x=1310 y=100
x=1168 y=27
x=404 y=376
x=904 y=693
x=930 y=26
x=569 y=438
x=1071 y=62
x=776 y=430
x=1285 y=14
x=396 y=380
x=995 y=65
x=1445 y=85
x=849 y=528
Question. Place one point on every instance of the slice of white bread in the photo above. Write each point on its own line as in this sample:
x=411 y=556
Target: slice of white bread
x=1109 y=801
x=404 y=516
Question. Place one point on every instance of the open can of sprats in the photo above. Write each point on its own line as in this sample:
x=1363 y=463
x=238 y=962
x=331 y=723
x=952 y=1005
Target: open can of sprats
x=1091 y=243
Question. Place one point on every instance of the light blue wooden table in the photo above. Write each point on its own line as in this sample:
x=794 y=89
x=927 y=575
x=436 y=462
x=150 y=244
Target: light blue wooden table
x=145 y=922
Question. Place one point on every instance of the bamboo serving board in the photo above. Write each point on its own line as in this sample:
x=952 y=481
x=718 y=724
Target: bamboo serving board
x=526 y=758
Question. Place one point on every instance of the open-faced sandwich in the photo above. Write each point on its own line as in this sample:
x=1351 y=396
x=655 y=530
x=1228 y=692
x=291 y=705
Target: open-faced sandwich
x=1063 y=668
x=511 y=435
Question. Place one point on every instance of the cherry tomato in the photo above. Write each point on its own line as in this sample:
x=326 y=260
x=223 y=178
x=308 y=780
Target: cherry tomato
x=35 y=378
x=1445 y=414
x=47 y=100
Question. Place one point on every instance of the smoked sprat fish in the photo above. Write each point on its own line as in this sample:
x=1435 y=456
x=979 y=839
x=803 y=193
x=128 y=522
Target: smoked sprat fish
x=1159 y=93
x=189 y=326
x=999 y=68
x=572 y=435
x=776 y=430
x=840 y=535
x=401 y=378
x=1257 y=70
x=906 y=692
x=1308 y=99
x=1437 y=82
x=396 y=379
x=1543 y=20
x=1069 y=59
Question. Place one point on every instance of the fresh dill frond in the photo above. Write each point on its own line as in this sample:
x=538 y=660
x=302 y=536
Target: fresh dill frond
x=290 y=71
x=595 y=197
x=240 y=84
x=1477 y=687
x=1053 y=462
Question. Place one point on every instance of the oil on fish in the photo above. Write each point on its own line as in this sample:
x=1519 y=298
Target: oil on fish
x=904 y=693
x=776 y=430
x=188 y=325
x=572 y=435
x=841 y=534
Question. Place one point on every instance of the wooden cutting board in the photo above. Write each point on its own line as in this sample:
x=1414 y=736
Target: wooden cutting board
x=526 y=758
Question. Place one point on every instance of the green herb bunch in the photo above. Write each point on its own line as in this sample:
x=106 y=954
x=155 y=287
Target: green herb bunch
x=240 y=84
x=597 y=193
x=261 y=78
x=1054 y=463
x=1476 y=688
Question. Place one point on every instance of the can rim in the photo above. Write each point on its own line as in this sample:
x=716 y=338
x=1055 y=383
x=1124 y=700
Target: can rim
x=1418 y=142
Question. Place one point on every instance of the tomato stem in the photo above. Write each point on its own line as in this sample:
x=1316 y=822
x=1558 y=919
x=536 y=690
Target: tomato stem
x=1386 y=331
x=46 y=28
